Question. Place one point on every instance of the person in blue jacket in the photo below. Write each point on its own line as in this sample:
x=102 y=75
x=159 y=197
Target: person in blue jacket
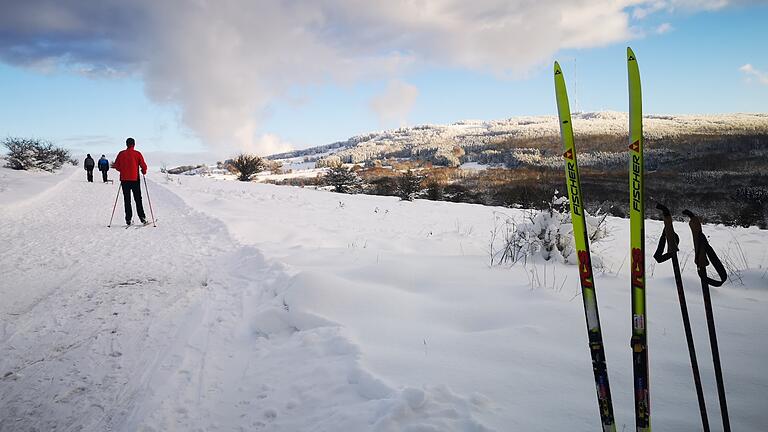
x=103 y=167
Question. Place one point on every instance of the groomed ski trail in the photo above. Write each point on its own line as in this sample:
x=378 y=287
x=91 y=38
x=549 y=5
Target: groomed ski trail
x=90 y=312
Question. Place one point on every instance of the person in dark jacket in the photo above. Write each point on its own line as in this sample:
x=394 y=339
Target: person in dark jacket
x=103 y=167
x=88 y=165
x=128 y=162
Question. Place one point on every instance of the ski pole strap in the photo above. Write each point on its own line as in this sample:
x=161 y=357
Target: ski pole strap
x=704 y=253
x=659 y=255
x=709 y=253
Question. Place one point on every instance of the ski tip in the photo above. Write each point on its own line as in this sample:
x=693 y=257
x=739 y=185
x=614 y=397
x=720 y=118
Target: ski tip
x=557 y=68
x=630 y=54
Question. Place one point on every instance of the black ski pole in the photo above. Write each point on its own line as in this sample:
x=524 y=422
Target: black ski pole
x=670 y=238
x=149 y=201
x=704 y=256
x=109 y=225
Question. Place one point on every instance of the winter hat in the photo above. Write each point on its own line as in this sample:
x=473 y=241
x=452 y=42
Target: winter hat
x=130 y=142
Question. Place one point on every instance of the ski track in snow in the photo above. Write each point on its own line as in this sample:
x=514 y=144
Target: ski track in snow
x=104 y=304
x=178 y=327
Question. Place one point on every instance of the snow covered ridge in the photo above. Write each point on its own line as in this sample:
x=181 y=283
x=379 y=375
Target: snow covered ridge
x=440 y=140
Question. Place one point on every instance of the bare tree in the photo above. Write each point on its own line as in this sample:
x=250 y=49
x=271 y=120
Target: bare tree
x=33 y=153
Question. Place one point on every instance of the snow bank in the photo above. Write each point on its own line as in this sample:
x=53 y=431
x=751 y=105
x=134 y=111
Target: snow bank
x=410 y=286
x=19 y=187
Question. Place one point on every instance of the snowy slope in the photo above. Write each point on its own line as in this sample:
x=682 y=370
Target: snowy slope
x=256 y=307
x=421 y=140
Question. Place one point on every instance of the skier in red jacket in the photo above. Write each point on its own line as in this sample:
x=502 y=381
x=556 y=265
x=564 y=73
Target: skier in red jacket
x=128 y=163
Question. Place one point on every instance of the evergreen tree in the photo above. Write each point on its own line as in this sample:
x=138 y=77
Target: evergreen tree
x=342 y=179
x=409 y=185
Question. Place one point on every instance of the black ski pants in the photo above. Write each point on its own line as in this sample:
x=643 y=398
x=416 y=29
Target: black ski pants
x=135 y=187
x=104 y=175
x=90 y=174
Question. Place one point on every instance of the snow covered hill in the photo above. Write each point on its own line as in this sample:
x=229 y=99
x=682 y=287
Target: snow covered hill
x=437 y=142
x=258 y=307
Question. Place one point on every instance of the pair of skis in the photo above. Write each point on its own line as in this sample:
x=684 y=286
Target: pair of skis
x=142 y=225
x=639 y=342
x=637 y=218
x=581 y=237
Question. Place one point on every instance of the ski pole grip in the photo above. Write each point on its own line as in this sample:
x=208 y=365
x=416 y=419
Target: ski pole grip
x=664 y=210
x=669 y=231
x=704 y=253
x=699 y=251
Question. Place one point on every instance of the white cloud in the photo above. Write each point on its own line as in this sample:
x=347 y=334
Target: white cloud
x=270 y=144
x=752 y=73
x=664 y=28
x=224 y=62
x=649 y=8
x=643 y=9
x=392 y=106
x=693 y=5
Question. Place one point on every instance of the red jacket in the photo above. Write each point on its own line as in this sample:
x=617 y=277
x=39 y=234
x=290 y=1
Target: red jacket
x=128 y=162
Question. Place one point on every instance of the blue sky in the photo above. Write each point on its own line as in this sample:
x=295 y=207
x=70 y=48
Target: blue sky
x=695 y=65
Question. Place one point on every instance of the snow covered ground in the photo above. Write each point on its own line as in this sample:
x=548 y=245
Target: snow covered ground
x=258 y=307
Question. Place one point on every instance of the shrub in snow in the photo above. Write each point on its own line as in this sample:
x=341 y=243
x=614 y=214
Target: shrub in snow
x=342 y=179
x=458 y=193
x=546 y=233
x=385 y=185
x=247 y=166
x=33 y=153
x=434 y=191
x=751 y=206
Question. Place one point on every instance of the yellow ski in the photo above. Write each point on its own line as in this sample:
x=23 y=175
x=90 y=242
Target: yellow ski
x=581 y=239
x=639 y=341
